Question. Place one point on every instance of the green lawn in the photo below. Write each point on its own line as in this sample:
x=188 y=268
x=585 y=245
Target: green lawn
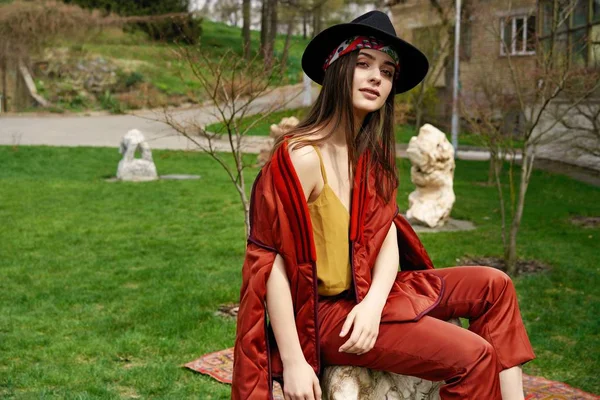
x=108 y=288
x=403 y=132
x=261 y=128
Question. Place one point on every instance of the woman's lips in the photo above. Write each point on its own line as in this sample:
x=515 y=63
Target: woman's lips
x=370 y=93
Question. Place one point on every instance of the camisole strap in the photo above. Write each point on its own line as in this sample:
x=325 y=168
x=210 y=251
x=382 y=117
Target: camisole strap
x=321 y=162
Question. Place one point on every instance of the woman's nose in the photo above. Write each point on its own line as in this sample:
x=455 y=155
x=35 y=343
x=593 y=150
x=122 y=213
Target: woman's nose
x=376 y=77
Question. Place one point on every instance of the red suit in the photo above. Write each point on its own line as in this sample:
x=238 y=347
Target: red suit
x=280 y=224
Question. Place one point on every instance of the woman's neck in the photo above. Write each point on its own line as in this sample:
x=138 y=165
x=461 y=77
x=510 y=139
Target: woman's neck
x=338 y=137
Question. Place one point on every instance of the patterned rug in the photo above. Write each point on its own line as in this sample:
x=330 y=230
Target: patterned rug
x=219 y=365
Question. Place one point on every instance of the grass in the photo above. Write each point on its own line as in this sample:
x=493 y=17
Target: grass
x=108 y=288
x=157 y=63
x=403 y=132
x=261 y=128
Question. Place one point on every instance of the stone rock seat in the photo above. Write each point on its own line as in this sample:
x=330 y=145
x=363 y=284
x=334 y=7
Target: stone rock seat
x=342 y=382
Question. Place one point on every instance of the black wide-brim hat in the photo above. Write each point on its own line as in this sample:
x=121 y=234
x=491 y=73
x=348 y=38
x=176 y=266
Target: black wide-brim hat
x=413 y=63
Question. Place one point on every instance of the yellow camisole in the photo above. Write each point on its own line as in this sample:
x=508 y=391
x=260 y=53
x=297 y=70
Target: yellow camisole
x=330 y=220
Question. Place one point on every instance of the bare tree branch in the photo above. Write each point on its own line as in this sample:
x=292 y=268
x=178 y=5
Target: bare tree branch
x=235 y=87
x=548 y=96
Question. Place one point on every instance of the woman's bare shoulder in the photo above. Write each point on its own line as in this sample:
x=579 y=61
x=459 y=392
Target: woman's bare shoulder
x=306 y=164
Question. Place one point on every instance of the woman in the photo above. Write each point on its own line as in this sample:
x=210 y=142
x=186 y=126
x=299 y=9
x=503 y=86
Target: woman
x=326 y=241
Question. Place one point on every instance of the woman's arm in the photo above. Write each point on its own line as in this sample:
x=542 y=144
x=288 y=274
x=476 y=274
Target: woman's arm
x=300 y=380
x=366 y=315
x=384 y=271
x=281 y=314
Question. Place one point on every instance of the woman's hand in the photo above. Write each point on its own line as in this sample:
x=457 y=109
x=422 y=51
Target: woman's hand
x=300 y=382
x=366 y=318
x=366 y=315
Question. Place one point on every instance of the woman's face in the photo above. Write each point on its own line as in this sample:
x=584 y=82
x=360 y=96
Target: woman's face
x=373 y=77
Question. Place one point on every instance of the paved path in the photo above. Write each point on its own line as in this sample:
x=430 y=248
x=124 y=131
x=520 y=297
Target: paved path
x=107 y=130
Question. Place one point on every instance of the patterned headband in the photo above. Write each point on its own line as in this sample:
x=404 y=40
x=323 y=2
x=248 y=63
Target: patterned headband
x=362 y=42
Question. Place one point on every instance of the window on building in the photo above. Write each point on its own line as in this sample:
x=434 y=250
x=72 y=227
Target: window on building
x=517 y=34
x=573 y=28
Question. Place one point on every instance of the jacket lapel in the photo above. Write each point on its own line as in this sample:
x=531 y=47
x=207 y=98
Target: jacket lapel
x=360 y=198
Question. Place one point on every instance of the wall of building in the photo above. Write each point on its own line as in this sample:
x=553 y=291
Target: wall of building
x=484 y=64
x=487 y=69
x=578 y=146
x=486 y=60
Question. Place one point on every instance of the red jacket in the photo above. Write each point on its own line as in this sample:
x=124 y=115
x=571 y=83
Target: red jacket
x=280 y=224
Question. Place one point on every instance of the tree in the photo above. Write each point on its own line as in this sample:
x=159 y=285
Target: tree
x=236 y=88
x=135 y=7
x=578 y=130
x=273 y=22
x=246 y=13
x=326 y=13
x=290 y=10
x=312 y=12
x=436 y=41
x=290 y=13
x=172 y=20
x=268 y=31
x=229 y=11
x=537 y=94
x=317 y=18
x=26 y=28
x=264 y=27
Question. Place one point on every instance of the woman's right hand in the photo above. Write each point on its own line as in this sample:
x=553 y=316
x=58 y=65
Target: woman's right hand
x=300 y=382
x=299 y=378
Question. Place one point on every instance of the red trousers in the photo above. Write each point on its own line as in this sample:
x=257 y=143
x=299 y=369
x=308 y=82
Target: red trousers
x=469 y=361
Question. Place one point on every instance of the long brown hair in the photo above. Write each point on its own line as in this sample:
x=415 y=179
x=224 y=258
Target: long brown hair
x=376 y=133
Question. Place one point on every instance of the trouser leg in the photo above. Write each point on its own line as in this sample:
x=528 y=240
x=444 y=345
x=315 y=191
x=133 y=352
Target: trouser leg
x=487 y=297
x=435 y=350
x=430 y=349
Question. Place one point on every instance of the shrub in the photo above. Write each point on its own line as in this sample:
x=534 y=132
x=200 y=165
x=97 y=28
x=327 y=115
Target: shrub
x=135 y=7
x=402 y=112
x=79 y=102
x=127 y=80
x=110 y=103
x=146 y=96
x=406 y=107
x=175 y=28
x=164 y=20
x=134 y=78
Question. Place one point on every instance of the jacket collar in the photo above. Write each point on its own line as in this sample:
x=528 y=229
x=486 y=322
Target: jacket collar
x=289 y=190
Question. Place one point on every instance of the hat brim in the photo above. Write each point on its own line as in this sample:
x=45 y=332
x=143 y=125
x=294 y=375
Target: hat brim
x=413 y=63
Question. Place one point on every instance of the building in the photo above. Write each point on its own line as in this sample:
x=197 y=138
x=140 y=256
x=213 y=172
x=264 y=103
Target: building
x=490 y=30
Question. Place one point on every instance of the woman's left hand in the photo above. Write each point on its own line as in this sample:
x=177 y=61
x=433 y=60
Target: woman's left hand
x=366 y=318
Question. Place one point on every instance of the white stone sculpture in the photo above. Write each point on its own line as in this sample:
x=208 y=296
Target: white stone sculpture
x=276 y=130
x=358 y=383
x=432 y=172
x=282 y=127
x=136 y=169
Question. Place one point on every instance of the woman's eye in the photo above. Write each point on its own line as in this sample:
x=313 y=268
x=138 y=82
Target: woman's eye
x=363 y=63
x=387 y=72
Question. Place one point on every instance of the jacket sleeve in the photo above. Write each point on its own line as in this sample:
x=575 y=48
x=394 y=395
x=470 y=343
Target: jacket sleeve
x=251 y=375
x=251 y=366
